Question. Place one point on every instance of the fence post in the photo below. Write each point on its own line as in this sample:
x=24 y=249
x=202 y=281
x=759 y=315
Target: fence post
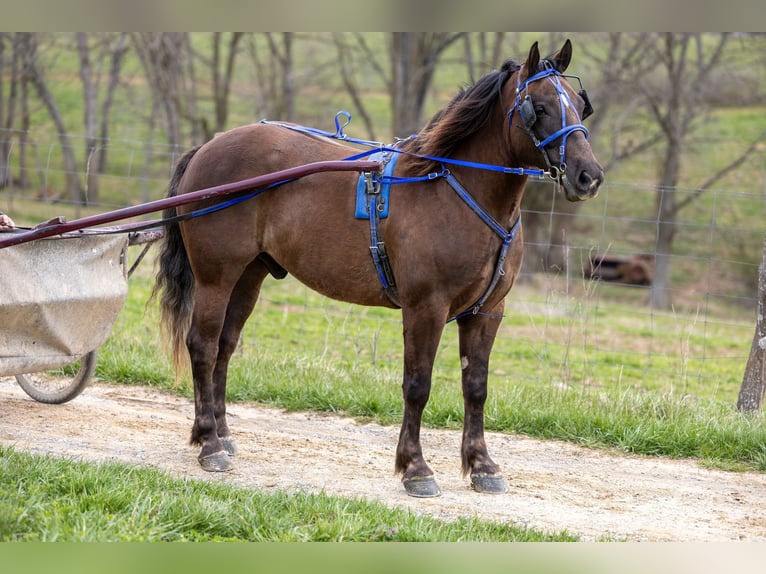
x=754 y=381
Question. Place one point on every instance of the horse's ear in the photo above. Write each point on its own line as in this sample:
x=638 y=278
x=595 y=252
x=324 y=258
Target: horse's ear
x=533 y=60
x=562 y=58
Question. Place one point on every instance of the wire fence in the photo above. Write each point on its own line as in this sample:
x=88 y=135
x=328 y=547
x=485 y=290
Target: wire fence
x=578 y=315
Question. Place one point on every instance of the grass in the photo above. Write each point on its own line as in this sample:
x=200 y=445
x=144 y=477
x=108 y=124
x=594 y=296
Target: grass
x=55 y=500
x=592 y=366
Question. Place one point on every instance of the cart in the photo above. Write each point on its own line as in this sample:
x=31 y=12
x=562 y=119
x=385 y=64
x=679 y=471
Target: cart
x=63 y=284
x=52 y=327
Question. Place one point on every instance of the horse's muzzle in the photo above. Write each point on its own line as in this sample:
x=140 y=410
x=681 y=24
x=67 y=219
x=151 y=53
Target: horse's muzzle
x=585 y=186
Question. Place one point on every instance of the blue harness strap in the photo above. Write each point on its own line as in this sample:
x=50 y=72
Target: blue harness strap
x=375 y=185
x=372 y=203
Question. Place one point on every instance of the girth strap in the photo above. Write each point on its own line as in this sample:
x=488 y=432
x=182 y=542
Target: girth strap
x=378 y=247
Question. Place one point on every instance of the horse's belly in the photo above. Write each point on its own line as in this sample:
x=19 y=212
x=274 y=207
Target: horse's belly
x=352 y=282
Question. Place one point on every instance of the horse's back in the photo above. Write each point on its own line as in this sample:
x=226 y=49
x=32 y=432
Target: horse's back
x=306 y=226
x=257 y=149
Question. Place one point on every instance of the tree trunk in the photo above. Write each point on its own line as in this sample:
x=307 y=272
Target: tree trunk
x=8 y=107
x=89 y=90
x=754 y=380
x=414 y=56
x=117 y=57
x=222 y=81
x=31 y=71
x=659 y=296
x=345 y=58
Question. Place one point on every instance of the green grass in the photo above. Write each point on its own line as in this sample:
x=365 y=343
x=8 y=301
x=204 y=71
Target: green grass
x=56 y=500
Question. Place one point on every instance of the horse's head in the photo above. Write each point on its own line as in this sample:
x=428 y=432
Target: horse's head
x=546 y=128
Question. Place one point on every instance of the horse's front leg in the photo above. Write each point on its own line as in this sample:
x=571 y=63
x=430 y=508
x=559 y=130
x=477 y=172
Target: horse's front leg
x=477 y=335
x=422 y=332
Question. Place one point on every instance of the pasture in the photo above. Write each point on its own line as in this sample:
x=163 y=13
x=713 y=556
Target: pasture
x=575 y=360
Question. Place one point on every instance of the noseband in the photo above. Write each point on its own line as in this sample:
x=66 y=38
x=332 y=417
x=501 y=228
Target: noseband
x=528 y=117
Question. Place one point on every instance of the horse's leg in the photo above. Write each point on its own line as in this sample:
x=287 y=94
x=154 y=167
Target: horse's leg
x=477 y=335
x=422 y=331
x=241 y=304
x=210 y=303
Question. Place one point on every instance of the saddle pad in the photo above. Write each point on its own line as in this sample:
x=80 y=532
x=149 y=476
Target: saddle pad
x=362 y=201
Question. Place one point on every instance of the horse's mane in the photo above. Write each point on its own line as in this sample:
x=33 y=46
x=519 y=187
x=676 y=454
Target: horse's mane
x=465 y=115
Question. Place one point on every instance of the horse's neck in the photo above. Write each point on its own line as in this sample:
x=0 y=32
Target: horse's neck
x=499 y=194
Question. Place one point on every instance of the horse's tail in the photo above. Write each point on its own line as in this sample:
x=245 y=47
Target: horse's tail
x=175 y=280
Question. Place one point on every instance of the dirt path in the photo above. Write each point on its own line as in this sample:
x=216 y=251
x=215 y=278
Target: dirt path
x=553 y=485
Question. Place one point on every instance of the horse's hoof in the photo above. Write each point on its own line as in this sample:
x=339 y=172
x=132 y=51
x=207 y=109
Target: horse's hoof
x=488 y=483
x=421 y=486
x=216 y=462
x=229 y=445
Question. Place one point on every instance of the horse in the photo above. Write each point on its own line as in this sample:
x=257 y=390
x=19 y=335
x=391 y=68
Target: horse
x=449 y=249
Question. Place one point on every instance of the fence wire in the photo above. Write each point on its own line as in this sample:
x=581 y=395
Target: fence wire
x=569 y=322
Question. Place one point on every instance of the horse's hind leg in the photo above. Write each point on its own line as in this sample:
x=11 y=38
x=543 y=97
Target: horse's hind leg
x=477 y=335
x=241 y=304
x=213 y=310
x=210 y=302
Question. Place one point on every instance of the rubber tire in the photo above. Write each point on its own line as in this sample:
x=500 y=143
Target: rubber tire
x=39 y=392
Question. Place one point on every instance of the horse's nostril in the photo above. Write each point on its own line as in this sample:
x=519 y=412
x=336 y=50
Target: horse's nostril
x=585 y=180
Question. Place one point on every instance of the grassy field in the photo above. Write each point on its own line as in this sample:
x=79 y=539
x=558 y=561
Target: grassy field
x=573 y=361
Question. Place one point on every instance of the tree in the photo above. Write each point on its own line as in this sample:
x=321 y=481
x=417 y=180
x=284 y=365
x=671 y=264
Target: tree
x=483 y=51
x=348 y=73
x=274 y=74
x=414 y=56
x=34 y=74
x=687 y=66
x=111 y=47
x=661 y=82
x=754 y=380
x=162 y=56
x=222 y=70
x=8 y=106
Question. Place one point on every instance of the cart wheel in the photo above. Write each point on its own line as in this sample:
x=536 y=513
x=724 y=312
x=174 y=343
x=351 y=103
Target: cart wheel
x=53 y=388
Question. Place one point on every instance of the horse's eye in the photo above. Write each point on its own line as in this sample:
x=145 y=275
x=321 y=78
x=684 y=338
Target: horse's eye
x=539 y=111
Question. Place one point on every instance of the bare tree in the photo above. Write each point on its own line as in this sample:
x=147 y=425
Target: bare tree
x=274 y=75
x=687 y=65
x=483 y=51
x=348 y=72
x=111 y=47
x=162 y=56
x=407 y=75
x=33 y=73
x=666 y=76
x=414 y=56
x=222 y=68
x=9 y=60
x=754 y=380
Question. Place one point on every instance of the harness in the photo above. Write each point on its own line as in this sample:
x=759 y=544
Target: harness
x=526 y=110
x=373 y=187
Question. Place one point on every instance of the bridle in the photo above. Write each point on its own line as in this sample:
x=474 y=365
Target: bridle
x=528 y=116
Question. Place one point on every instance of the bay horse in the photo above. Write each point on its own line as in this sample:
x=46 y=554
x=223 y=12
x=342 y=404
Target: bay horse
x=453 y=243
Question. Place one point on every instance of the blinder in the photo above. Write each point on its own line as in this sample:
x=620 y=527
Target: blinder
x=527 y=108
x=528 y=117
x=527 y=112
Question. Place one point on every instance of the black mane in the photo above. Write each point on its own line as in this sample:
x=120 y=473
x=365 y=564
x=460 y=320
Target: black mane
x=466 y=114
